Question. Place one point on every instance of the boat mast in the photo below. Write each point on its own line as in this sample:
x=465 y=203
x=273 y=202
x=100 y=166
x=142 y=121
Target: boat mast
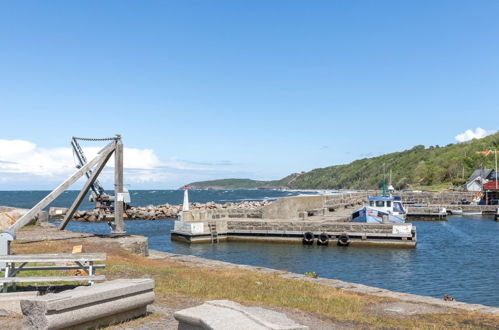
x=384 y=181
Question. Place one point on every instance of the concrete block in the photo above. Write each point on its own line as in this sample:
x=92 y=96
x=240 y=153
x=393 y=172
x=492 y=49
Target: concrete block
x=42 y=218
x=57 y=212
x=86 y=307
x=10 y=302
x=229 y=315
x=187 y=216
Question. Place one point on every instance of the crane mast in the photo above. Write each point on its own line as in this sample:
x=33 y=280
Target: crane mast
x=98 y=191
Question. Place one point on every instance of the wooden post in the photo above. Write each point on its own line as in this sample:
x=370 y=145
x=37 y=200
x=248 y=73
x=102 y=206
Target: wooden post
x=119 y=225
x=85 y=189
x=24 y=220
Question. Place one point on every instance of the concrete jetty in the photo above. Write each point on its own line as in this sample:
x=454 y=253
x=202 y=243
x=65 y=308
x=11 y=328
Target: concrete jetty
x=321 y=220
x=310 y=232
x=427 y=213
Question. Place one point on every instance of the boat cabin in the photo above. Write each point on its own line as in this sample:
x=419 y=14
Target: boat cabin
x=387 y=204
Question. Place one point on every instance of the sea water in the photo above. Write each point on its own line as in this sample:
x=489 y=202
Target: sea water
x=457 y=257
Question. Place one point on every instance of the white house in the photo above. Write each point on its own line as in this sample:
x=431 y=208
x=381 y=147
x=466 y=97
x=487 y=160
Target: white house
x=478 y=178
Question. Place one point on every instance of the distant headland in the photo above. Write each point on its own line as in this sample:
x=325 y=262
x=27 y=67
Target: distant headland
x=430 y=168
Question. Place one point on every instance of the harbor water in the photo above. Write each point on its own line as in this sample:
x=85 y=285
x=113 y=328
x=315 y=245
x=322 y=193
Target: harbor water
x=457 y=257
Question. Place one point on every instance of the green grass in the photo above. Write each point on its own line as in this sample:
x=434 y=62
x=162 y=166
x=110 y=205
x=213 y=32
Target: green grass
x=187 y=280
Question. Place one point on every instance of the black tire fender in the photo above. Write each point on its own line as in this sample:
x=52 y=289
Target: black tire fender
x=323 y=239
x=308 y=238
x=343 y=240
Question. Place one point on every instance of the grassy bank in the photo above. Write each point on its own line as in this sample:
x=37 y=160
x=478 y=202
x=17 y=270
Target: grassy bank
x=176 y=281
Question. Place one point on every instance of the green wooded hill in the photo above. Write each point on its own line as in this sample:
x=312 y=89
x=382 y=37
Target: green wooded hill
x=421 y=166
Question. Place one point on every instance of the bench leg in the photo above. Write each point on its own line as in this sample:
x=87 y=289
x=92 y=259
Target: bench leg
x=91 y=271
x=7 y=272
x=14 y=287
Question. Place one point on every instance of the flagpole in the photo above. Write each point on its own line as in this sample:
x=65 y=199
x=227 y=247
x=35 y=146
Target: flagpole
x=495 y=153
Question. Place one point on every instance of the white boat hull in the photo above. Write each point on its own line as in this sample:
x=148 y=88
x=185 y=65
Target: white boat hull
x=371 y=215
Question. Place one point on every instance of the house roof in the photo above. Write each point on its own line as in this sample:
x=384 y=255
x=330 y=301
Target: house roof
x=483 y=173
x=492 y=175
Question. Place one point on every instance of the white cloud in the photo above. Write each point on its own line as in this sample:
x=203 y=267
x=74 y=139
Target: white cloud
x=469 y=134
x=132 y=157
x=25 y=165
x=19 y=157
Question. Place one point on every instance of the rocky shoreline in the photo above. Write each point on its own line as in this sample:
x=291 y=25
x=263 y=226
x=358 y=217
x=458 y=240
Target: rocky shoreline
x=155 y=212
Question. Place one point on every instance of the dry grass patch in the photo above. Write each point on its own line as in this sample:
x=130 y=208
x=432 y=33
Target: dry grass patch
x=179 y=279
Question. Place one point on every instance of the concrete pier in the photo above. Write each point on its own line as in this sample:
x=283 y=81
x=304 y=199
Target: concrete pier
x=321 y=220
x=282 y=231
x=427 y=213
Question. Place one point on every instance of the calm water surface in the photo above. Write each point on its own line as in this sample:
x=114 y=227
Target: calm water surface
x=457 y=257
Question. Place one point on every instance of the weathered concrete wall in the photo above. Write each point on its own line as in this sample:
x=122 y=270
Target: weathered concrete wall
x=234 y=225
x=291 y=207
x=206 y=215
x=436 y=198
x=201 y=227
x=227 y=226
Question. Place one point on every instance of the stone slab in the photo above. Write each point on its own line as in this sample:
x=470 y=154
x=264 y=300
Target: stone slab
x=229 y=315
x=94 y=306
x=10 y=302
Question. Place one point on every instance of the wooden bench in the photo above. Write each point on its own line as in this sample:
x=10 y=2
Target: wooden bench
x=82 y=261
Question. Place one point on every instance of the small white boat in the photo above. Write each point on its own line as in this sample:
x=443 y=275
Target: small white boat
x=381 y=210
x=473 y=213
x=456 y=212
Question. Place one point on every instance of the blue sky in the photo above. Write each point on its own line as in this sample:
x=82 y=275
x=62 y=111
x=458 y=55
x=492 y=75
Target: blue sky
x=258 y=89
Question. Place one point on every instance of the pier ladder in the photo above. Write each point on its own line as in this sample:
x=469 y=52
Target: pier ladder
x=213 y=232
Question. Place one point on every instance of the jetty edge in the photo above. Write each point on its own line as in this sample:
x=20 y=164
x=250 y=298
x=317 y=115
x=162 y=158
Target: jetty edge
x=183 y=281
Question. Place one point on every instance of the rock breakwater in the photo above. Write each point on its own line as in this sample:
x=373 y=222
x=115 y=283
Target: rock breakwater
x=155 y=212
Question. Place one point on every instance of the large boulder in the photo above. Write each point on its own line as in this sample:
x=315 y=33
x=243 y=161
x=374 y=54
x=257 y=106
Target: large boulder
x=226 y=314
x=9 y=215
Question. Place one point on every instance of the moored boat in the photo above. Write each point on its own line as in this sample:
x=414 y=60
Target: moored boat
x=381 y=210
x=456 y=212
